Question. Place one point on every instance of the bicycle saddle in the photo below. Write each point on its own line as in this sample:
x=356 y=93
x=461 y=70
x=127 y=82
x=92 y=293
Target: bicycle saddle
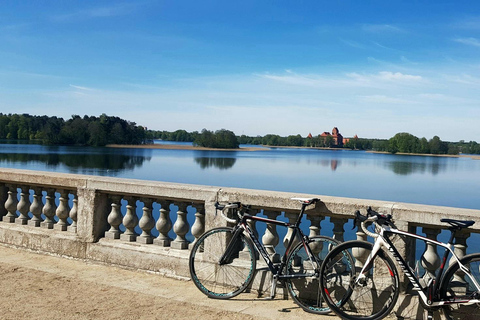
x=458 y=223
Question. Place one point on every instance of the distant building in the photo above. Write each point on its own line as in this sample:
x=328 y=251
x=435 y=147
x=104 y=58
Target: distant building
x=337 y=137
x=346 y=140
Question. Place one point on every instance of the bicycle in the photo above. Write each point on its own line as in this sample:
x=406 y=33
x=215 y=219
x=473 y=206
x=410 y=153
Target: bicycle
x=223 y=260
x=372 y=291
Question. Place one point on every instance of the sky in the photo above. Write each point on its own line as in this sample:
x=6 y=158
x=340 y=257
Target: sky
x=370 y=68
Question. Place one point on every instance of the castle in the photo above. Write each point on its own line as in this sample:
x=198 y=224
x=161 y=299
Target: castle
x=338 y=139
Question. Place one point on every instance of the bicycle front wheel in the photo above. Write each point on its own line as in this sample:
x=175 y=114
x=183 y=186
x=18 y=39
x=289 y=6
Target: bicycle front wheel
x=352 y=294
x=229 y=278
x=305 y=290
x=458 y=286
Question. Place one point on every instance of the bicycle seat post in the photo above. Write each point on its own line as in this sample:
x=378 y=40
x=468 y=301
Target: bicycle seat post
x=300 y=215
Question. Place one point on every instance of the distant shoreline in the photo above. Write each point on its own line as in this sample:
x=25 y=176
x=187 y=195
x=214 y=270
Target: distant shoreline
x=475 y=157
x=180 y=147
x=266 y=148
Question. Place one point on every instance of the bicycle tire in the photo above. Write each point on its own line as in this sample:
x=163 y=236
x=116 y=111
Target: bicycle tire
x=456 y=286
x=229 y=279
x=306 y=292
x=373 y=297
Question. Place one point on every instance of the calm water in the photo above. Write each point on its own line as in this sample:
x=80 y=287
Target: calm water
x=426 y=180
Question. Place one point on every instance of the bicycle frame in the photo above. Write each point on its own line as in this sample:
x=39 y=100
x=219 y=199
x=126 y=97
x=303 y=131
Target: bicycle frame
x=276 y=270
x=432 y=300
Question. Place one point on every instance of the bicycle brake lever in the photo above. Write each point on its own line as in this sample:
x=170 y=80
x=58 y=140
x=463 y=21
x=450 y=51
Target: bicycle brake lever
x=358 y=217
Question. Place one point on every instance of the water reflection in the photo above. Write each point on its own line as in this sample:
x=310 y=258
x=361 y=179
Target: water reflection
x=406 y=168
x=219 y=163
x=112 y=163
x=333 y=164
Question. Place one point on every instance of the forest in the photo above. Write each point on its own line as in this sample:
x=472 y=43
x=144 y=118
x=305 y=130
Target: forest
x=86 y=131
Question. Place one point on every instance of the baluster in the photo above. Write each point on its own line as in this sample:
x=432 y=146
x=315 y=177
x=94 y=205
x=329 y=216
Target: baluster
x=49 y=210
x=460 y=250
x=3 y=200
x=11 y=204
x=430 y=259
x=317 y=246
x=130 y=221
x=360 y=255
x=252 y=223
x=292 y=218
x=23 y=206
x=36 y=207
x=270 y=239
x=338 y=231
x=198 y=227
x=164 y=224
x=244 y=254
x=73 y=214
x=114 y=218
x=146 y=222
x=62 y=211
x=181 y=228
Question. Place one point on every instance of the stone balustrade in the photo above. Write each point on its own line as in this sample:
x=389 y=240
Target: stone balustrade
x=151 y=225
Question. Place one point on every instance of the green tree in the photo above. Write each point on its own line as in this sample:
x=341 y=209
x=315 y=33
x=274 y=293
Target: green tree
x=224 y=139
x=52 y=130
x=98 y=134
x=295 y=140
x=437 y=146
x=424 y=146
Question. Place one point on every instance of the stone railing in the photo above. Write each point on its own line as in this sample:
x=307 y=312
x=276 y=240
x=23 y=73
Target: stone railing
x=151 y=225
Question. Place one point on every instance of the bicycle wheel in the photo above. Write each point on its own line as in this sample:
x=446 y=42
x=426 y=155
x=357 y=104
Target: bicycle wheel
x=457 y=286
x=222 y=281
x=351 y=295
x=305 y=291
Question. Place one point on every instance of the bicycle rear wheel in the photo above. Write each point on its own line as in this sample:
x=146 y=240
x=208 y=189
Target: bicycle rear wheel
x=457 y=286
x=352 y=295
x=226 y=280
x=305 y=291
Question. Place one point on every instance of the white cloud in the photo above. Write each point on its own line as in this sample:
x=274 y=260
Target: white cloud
x=118 y=9
x=469 y=23
x=385 y=76
x=469 y=41
x=381 y=28
x=382 y=99
x=353 y=44
x=81 y=88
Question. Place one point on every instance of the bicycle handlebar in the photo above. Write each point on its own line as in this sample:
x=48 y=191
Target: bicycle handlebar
x=222 y=208
x=372 y=216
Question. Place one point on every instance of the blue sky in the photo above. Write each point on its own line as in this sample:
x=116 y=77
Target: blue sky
x=371 y=68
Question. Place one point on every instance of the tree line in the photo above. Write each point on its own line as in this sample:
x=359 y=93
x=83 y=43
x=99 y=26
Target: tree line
x=400 y=143
x=86 y=131
x=103 y=130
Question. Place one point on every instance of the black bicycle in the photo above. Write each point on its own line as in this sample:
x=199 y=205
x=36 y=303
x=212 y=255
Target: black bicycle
x=223 y=260
x=369 y=287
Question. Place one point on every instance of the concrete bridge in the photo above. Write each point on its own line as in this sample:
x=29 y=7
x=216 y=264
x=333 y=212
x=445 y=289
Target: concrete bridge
x=149 y=226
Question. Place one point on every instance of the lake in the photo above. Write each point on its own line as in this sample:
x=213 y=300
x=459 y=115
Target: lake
x=440 y=181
